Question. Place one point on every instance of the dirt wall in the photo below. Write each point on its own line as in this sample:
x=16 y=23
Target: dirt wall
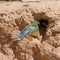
x=14 y=16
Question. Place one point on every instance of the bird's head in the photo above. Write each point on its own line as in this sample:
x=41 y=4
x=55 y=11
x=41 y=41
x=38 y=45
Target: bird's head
x=35 y=23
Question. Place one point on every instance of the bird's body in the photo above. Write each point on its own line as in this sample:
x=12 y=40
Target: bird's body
x=31 y=30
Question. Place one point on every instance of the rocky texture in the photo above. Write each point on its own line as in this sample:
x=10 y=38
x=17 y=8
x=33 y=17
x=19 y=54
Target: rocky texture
x=29 y=0
x=14 y=16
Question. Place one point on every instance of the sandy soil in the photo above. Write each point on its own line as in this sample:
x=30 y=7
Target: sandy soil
x=14 y=16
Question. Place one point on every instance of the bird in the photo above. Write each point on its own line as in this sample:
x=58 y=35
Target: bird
x=31 y=30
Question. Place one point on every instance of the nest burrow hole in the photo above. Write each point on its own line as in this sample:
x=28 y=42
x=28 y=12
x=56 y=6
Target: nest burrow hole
x=43 y=25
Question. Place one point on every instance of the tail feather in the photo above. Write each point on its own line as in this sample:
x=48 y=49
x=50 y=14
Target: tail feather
x=22 y=35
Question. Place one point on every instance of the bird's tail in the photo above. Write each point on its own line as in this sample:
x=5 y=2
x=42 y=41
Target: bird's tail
x=22 y=35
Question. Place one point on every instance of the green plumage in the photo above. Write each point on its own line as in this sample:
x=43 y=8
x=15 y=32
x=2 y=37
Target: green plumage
x=29 y=30
x=34 y=28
